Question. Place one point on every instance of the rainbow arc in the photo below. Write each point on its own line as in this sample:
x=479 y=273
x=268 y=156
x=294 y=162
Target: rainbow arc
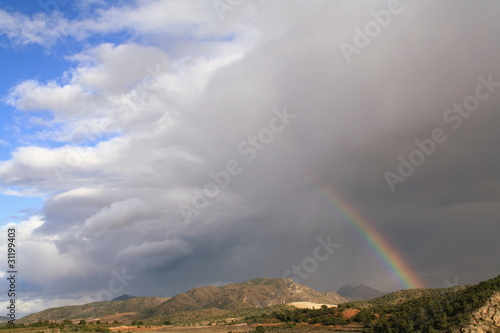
x=389 y=256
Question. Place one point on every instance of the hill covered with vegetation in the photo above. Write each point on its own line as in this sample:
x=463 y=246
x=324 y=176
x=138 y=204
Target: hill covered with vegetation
x=463 y=308
x=441 y=310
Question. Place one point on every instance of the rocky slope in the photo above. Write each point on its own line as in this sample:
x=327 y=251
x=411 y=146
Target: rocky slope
x=486 y=319
x=255 y=293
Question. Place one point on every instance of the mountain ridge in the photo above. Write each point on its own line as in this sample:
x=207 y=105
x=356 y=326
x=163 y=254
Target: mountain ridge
x=255 y=293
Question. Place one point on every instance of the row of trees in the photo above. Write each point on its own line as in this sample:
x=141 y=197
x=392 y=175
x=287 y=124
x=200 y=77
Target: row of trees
x=64 y=326
x=324 y=316
x=82 y=325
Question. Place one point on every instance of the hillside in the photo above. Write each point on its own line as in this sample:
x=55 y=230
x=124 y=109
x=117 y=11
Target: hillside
x=255 y=293
x=464 y=309
x=436 y=310
x=106 y=310
x=252 y=294
x=390 y=300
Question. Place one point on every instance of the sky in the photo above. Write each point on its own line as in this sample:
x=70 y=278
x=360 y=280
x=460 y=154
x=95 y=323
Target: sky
x=151 y=146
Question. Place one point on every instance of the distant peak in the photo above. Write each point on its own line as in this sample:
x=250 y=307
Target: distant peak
x=345 y=289
x=360 y=292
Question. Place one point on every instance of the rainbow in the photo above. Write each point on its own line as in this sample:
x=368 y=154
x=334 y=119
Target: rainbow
x=388 y=254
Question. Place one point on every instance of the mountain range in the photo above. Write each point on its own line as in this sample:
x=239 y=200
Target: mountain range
x=255 y=293
x=470 y=309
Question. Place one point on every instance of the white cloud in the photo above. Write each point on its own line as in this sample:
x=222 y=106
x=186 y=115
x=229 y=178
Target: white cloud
x=175 y=18
x=116 y=69
x=117 y=89
x=22 y=193
x=31 y=96
x=39 y=29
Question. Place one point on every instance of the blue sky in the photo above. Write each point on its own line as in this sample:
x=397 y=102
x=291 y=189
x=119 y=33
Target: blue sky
x=127 y=128
x=21 y=64
x=41 y=63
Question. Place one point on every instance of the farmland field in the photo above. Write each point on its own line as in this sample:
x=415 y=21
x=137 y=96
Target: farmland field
x=239 y=329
